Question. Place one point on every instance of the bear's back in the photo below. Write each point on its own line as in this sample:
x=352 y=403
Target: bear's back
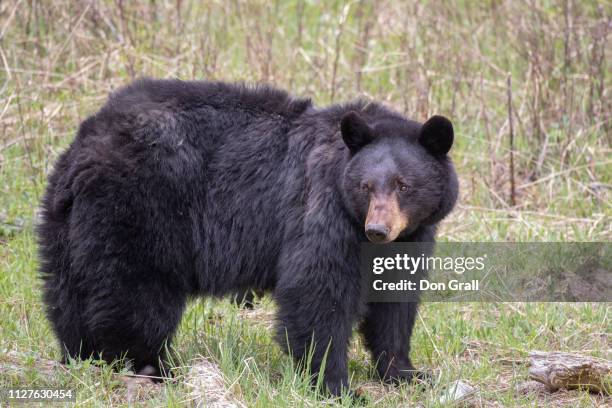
x=183 y=129
x=167 y=113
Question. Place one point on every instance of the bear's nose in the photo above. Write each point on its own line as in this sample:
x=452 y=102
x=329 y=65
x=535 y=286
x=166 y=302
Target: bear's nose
x=377 y=233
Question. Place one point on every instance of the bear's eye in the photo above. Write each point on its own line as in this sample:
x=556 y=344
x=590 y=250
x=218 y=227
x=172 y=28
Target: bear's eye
x=403 y=188
x=365 y=188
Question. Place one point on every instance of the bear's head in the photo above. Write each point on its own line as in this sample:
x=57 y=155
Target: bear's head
x=398 y=176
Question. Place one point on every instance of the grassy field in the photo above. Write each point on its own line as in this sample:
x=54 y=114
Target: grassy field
x=527 y=85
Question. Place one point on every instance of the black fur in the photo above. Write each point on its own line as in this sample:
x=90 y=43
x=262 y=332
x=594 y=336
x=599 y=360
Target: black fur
x=179 y=189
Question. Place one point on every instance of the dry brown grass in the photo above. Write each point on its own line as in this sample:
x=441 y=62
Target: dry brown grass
x=59 y=59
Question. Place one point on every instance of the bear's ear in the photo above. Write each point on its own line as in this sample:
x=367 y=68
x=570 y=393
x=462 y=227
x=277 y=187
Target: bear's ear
x=437 y=135
x=355 y=131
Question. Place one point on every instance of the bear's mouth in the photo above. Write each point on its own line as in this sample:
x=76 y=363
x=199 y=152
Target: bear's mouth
x=385 y=221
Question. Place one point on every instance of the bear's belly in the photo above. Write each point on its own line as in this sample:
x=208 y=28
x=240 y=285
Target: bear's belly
x=237 y=253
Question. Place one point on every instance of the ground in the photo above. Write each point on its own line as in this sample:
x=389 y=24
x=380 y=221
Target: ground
x=58 y=63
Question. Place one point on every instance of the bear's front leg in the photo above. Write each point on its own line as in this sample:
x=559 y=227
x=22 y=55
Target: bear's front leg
x=316 y=314
x=318 y=283
x=387 y=328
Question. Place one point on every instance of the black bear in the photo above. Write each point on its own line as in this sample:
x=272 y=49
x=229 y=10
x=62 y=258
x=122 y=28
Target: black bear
x=178 y=189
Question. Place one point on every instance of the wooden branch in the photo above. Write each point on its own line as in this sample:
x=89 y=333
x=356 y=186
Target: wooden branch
x=571 y=371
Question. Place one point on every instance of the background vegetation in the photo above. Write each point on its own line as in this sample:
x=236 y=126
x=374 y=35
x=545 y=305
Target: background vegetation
x=526 y=83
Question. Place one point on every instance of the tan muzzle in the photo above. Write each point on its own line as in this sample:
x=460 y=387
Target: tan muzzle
x=385 y=220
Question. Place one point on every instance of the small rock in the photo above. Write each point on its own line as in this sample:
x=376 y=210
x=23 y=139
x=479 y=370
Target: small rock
x=457 y=391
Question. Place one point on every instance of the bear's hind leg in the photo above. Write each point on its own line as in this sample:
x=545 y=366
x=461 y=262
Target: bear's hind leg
x=64 y=310
x=130 y=259
x=137 y=325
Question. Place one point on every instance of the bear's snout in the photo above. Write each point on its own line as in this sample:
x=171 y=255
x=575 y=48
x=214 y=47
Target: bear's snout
x=377 y=233
x=385 y=220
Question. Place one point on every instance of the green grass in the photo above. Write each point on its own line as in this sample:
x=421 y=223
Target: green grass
x=58 y=63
